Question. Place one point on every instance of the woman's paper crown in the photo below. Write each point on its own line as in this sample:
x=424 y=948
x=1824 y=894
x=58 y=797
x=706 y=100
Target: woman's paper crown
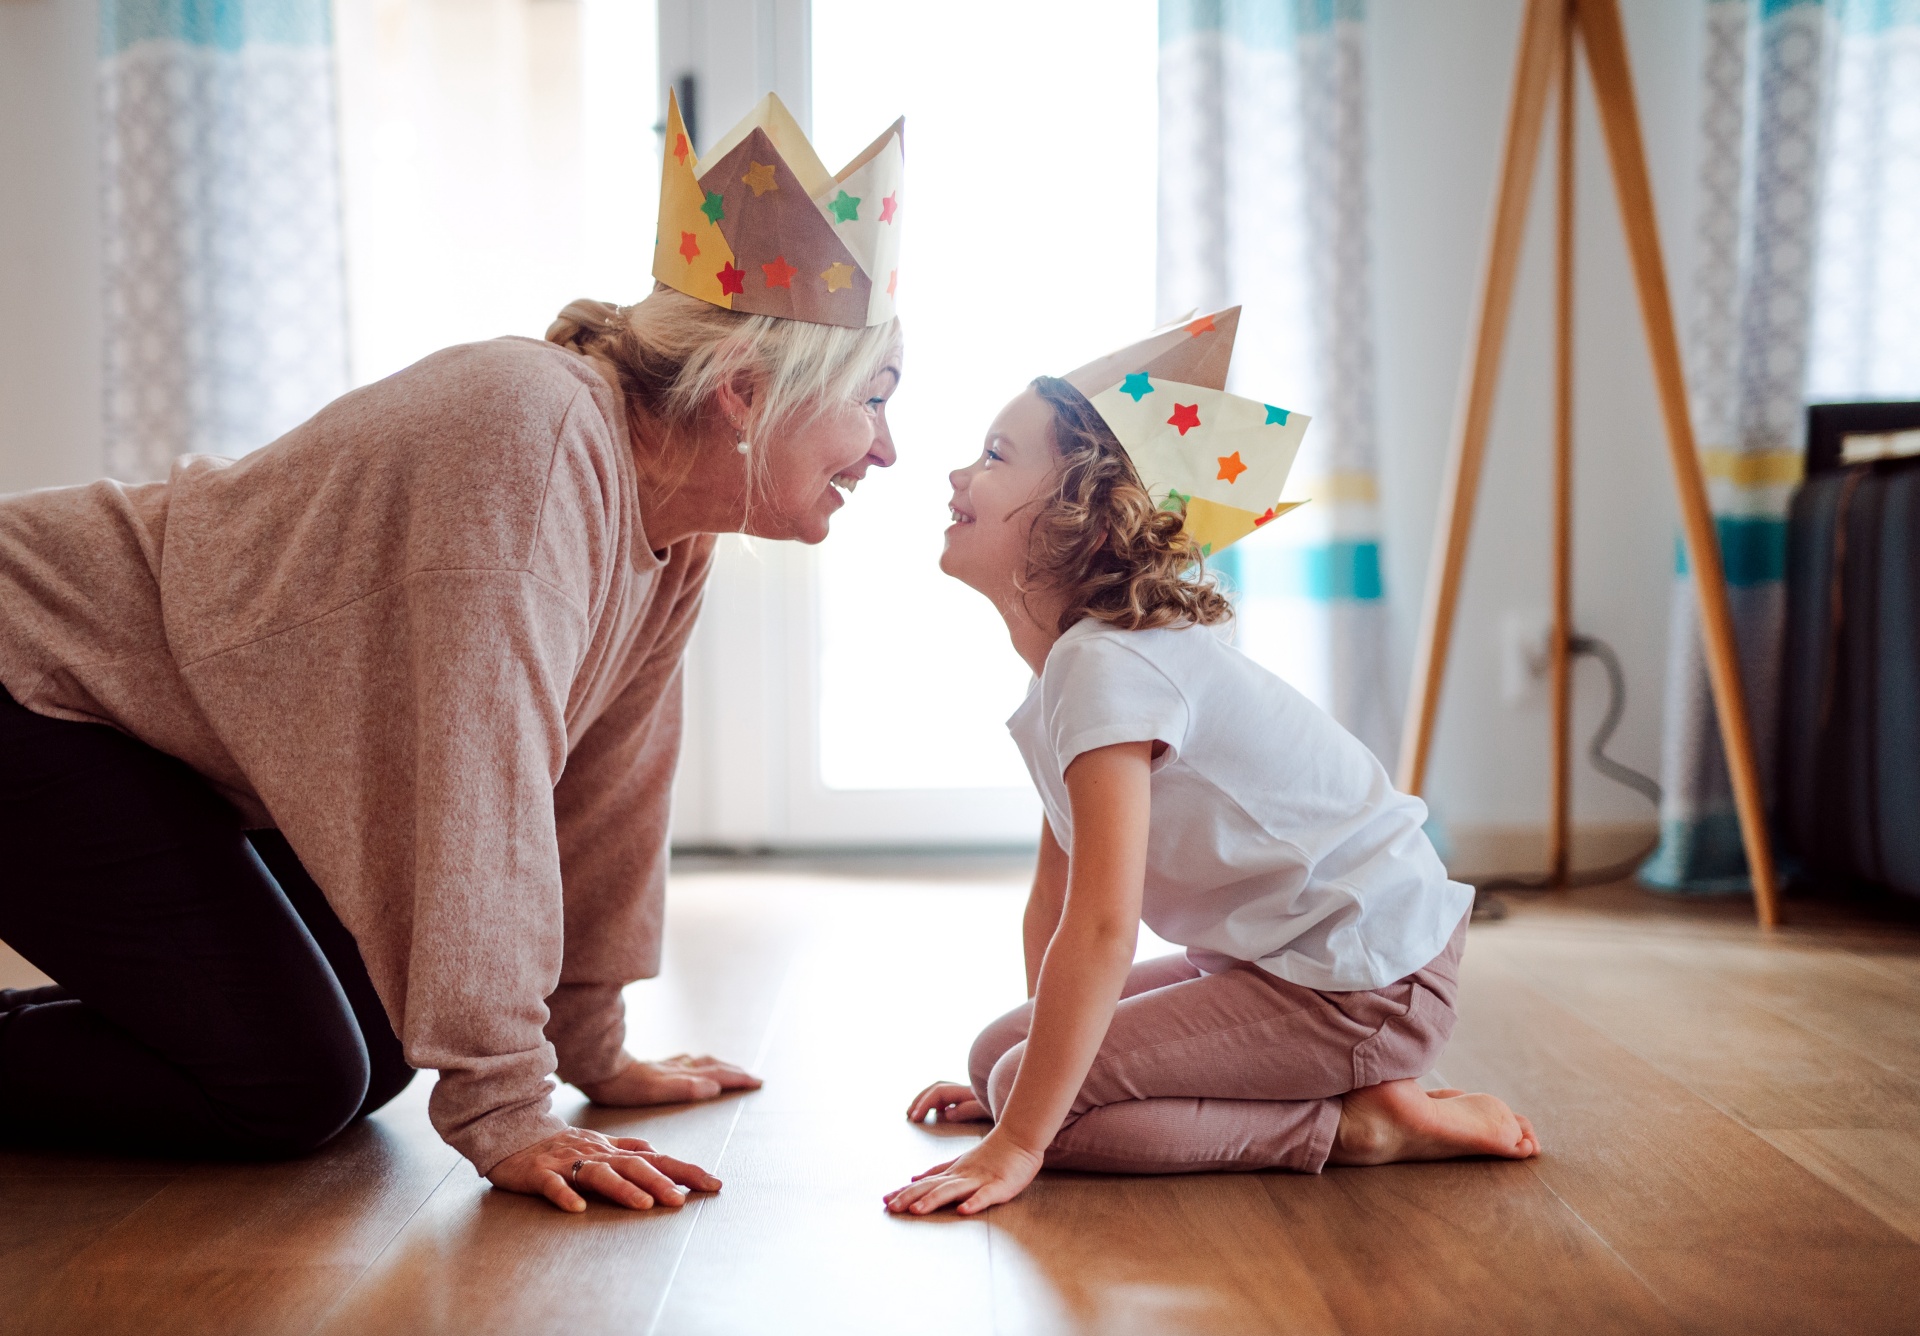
x=759 y=225
x=1221 y=457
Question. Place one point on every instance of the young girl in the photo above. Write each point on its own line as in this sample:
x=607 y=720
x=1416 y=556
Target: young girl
x=1185 y=786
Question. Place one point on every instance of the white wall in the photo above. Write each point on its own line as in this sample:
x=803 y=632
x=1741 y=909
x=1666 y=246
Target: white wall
x=49 y=244
x=1440 y=79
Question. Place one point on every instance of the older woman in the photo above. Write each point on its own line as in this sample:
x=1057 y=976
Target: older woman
x=354 y=756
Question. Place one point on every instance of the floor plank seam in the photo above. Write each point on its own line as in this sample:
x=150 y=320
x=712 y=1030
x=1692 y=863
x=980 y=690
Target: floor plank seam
x=1607 y=1244
x=720 y=1159
x=347 y=1290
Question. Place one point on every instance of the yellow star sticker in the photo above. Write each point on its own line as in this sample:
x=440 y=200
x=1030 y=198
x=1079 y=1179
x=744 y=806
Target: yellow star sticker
x=760 y=177
x=838 y=275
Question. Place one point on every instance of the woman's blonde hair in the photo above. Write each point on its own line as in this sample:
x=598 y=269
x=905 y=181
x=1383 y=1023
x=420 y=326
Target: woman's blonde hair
x=673 y=352
x=1098 y=535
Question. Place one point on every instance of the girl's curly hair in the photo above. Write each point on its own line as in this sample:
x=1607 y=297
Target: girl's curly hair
x=1122 y=560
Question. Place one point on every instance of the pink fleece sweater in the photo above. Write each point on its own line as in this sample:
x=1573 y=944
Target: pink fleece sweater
x=424 y=636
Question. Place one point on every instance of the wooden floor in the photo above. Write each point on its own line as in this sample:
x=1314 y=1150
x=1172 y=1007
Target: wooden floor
x=1731 y=1123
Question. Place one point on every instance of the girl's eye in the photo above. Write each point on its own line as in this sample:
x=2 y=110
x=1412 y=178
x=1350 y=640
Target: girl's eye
x=992 y=453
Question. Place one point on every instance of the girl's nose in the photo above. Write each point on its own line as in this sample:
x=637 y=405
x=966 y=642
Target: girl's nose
x=956 y=478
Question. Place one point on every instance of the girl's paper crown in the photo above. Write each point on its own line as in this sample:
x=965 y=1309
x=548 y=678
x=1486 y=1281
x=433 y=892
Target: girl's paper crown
x=760 y=226
x=1221 y=457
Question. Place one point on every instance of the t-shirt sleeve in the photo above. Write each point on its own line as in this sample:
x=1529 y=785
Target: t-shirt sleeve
x=1100 y=691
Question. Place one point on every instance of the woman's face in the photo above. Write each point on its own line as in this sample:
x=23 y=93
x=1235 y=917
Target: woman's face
x=817 y=462
x=994 y=499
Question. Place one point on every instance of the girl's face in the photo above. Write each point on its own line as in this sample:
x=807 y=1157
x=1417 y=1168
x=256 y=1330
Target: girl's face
x=995 y=497
x=812 y=466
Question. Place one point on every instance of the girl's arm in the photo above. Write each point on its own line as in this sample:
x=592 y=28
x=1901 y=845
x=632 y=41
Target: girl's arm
x=1048 y=898
x=1079 y=983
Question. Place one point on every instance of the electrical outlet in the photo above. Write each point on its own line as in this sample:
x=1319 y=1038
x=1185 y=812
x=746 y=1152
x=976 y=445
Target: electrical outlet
x=1524 y=655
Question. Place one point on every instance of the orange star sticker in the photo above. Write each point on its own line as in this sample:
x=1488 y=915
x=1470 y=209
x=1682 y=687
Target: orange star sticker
x=779 y=273
x=1231 y=467
x=1204 y=325
x=838 y=275
x=760 y=177
x=688 y=246
x=1185 y=417
x=681 y=148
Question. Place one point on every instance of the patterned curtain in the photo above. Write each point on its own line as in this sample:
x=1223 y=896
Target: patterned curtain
x=226 y=308
x=1807 y=286
x=1263 y=202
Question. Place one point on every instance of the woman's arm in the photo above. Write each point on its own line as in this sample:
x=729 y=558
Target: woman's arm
x=1080 y=980
x=1044 y=903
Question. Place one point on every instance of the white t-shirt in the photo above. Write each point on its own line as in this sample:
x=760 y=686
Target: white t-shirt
x=1275 y=837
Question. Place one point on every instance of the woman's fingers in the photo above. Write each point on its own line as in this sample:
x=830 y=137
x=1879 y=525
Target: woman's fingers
x=619 y=1181
x=554 y=1188
x=631 y=1143
x=692 y=1175
x=725 y=1074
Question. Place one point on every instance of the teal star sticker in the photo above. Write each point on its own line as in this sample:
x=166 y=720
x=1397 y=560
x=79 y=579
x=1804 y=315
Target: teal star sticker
x=1138 y=384
x=1275 y=416
x=846 y=208
x=716 y=208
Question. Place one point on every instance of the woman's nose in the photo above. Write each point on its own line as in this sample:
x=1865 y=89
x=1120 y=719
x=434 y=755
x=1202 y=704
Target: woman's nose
x=882 y=450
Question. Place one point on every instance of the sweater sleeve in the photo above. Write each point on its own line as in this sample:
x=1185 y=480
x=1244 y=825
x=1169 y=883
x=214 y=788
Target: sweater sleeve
x=613 y=811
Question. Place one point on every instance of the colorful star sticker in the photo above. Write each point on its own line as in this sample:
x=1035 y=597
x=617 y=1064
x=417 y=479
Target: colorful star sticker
x=1139 y=384
x=760 y=177
x=1185 y=417
x=1204 y=325
x=1176 y=499
x=1263 y=519
x=1275 y=416
x=887 y=207
x=845 y=208
x=779 y=273
x=893 y=277
x=838 y=275
x=1231 y=467
x=715 y=208
x=688 y=246
x=732 y=281
x=681 y=148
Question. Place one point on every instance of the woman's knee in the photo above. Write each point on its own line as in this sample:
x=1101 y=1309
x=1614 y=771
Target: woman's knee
x=319 y=1090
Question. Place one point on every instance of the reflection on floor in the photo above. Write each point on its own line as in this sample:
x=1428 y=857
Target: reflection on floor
x=1732 y=1127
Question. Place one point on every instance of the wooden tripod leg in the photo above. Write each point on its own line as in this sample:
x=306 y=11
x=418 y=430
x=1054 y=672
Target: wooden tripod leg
x=1606 y=47
x=1560 y=788
x=1539 y=48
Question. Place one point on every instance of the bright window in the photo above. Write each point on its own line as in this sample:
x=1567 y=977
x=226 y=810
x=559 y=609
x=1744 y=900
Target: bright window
x=1029 y=248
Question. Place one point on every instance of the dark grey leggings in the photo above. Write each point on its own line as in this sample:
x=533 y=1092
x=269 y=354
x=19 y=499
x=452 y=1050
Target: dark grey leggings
x=208 y=1001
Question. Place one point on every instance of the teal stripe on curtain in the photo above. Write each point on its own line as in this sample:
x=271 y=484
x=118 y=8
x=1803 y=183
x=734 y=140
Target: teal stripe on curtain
x=227 y=25
x=1343 y=570
x=1753 y=548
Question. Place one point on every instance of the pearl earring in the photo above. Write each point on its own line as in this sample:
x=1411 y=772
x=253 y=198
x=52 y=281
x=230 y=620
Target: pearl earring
x=743 y=445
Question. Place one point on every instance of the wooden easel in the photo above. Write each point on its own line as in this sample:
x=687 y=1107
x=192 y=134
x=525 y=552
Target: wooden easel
x=1547 y=40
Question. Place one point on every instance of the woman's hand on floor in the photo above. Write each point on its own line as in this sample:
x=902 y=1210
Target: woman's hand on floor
x=625 y=1170
x=681 y=1079
x=954 y=1103
x=994 y=1171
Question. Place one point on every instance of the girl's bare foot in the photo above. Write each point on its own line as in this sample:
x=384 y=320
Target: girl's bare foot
x=1397 y=1120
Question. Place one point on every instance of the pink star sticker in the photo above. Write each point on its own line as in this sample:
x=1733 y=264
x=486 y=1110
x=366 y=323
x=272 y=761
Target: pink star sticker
x=887 y=206
x=1185 y=416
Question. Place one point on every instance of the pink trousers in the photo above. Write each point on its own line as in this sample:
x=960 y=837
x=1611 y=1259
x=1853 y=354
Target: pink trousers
x=1236 y=1070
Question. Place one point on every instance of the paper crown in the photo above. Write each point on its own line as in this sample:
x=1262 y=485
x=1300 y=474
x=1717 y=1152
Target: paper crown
x=759 y=225
x=1222 y=457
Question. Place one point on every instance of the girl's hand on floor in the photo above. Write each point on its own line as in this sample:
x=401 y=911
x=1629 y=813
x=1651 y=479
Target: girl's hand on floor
x=625 y=1170
x=953 y=1103
x=681 y=1079
x=994 y=1171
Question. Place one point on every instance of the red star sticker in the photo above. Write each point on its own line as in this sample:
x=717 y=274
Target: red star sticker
x=1264 y=519
x=688 y=246
x=779 y=273
x=1184 y=417
x=1231 y=466
x=681 y=149
x=892 y=279
x=1204 y=325
x=887 y=206
x=732 y=281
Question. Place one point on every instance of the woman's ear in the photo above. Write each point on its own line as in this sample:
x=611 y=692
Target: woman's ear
x=735 y=397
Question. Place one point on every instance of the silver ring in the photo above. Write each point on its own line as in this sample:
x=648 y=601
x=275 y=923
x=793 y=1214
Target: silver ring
x=574 y=1177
